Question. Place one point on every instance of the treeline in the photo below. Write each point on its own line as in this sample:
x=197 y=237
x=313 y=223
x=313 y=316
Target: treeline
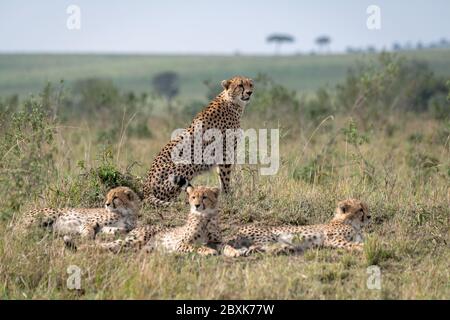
x=372 y=87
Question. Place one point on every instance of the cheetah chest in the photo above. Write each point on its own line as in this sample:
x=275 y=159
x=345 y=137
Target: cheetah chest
x=173 y=240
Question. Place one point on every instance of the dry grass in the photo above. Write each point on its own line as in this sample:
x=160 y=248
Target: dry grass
x=409 y=239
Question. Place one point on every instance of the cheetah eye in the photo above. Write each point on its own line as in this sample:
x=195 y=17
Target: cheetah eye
x=205 y=197
x=344 y=209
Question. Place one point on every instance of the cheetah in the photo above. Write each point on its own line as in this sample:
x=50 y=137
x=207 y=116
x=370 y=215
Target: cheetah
x=199 y=234
x=343 y=231
x=223 y=113
x=118 y=216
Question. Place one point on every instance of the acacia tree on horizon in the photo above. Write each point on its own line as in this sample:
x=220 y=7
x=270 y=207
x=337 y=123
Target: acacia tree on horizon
x=167 y=84
x=323 y=42
x=278 y=39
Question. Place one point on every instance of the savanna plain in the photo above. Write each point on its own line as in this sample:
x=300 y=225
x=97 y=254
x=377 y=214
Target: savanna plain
x=374 y=127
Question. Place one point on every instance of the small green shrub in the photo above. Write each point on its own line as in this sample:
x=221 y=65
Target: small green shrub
x=422 y=163
x=370 y=82
x=27 y=151
x=315 y=171
x=273 y=101
x=392 y=83
x=443 y=133
x=319 y=106
x=140 y=129
x=93 y=94
x=89 y=187
x=439 y=107
x=416 y=137
x=353 y=136
x=375 y=251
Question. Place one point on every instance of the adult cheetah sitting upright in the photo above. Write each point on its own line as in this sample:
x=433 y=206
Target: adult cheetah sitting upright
x=222 y=114
x=343 y=231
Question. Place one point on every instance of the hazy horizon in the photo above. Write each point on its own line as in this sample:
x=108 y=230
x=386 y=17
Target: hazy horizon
x=213 y=27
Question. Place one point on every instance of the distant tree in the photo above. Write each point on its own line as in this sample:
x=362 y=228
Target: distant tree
x=353 y=50
x=419 y=46
x=349 y=50
x=279 y=39
x=166 y=84
x=444 y=43
x=396 y=46
x=323 y=42
x=95 y=94
x=371 y=49
x=408 y=46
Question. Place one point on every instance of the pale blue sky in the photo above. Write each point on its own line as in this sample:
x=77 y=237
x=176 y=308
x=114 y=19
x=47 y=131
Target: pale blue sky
x=210 y=26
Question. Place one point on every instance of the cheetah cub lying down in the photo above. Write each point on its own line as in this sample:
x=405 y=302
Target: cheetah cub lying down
x=201 y=229
x=343 y=231
x=118 y=216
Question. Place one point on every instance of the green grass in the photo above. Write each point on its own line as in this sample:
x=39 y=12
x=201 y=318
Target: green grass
x=412 y=253
x=27 y=73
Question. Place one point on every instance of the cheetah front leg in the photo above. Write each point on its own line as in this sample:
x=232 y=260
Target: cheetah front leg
x=214 y=233
x=275 y=248
x=119 y=245
x=136 y=239
x=224 y=172
x=206 y=251
x=113 y=230
x=89 y=230
x=229 y=251
x=201 y=250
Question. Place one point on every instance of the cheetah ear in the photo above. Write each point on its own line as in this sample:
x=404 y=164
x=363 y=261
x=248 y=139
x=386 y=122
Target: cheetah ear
x=130 y=195
x=216 y=191
x=365 y=207
x=189 y=189
x=343 y=207
x=225 y=84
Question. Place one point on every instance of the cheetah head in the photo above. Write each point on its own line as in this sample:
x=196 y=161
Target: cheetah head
x=203 y=200
x=352 y=211
x=122 y=200
x=239 y=89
